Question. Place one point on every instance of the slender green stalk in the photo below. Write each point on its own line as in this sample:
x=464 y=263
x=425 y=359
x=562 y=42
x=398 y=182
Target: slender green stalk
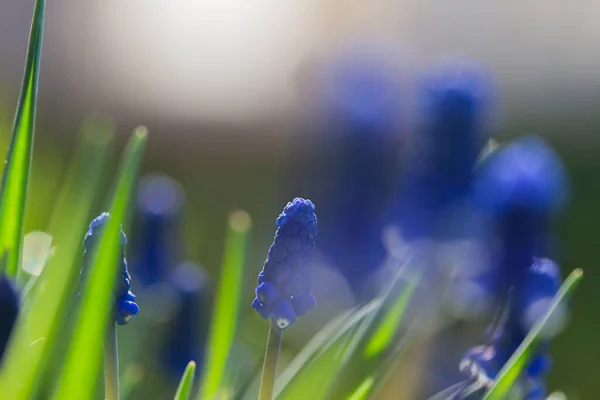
x=269 y=371
x=111 y=364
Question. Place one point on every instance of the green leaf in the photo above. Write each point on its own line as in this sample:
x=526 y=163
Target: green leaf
x=227 y=305
x=51 y=297
x=13 y=186
x=363 y=390
x=387 y=328
x=372 y=345
x=79 y=377
x=313 y=369
x=521 y=357
x=186 y=383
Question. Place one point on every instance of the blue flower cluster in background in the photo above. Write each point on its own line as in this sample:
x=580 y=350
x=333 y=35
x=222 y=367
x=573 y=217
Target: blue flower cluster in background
x=125 y=308
x=521 y=187
x=284 y=284
x=157 y=259
x=188 y=329
x=362 y=103
x=438 y=172
x=155 y=247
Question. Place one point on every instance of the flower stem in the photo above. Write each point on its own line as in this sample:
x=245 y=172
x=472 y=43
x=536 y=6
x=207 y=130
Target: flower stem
x=267 y=380
x=111 y=364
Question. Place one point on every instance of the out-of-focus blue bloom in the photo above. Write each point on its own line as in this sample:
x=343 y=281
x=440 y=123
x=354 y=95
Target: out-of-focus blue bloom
x=439 y=168
x=433 y=208
x=483 y=363
x=362 y=113
x=521 y=187
x=284 y=288
x=125 y=308
x=155 y=247
x=188 y=329
x=9 y=310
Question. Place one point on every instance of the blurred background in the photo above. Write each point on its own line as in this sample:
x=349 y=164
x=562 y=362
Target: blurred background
x=233 y=94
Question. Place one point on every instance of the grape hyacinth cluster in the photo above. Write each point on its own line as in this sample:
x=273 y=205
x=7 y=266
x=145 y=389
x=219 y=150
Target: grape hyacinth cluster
x=520 y=188
x=453 y=107
x=284 y=287
x=362 y=123
x=156 y=260
x=125 y=308
x=433 y=211
x=483 y=363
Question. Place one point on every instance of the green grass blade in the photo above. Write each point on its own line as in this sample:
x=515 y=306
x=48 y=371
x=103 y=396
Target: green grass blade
x=227 y=305
x=186 y=383
x=385 y=332
x=13 y=186
x=521 y=357
x=82 y=364
x=371 y=346
x=50 y=299
x=363 y=390
x=311 y=371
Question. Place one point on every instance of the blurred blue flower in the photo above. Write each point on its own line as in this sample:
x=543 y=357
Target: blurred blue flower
x=482 y=363
x=451 y=134
x=284 y=288
x=362 y=115
x=520 y=187
x=125 y=307
x=9 y=310
x=155 y=246
x=188 y=329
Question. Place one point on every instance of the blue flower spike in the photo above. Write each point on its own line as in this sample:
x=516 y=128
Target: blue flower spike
x=125 y=307
x=284 y=290
x=454 y=107
x=521 y=188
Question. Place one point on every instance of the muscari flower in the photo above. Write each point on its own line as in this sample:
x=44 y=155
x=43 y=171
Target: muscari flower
x=520 y=187
x=154 y=251
x=433 y=210
x=284 y=287
x=189 y=327
x=439 y=168
x=125 y=308
x=362 y=102
x=9 y=310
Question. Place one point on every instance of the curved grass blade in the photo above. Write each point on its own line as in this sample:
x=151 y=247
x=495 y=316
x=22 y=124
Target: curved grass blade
x=325 y=338
x=312 y=370
x=227 y=305
x=78 y=378
x=363 y=390
x=371 y=346
x=79 y=189
x=13 y=186
x=49 y=299
x=186 y=383
x=519 y=360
